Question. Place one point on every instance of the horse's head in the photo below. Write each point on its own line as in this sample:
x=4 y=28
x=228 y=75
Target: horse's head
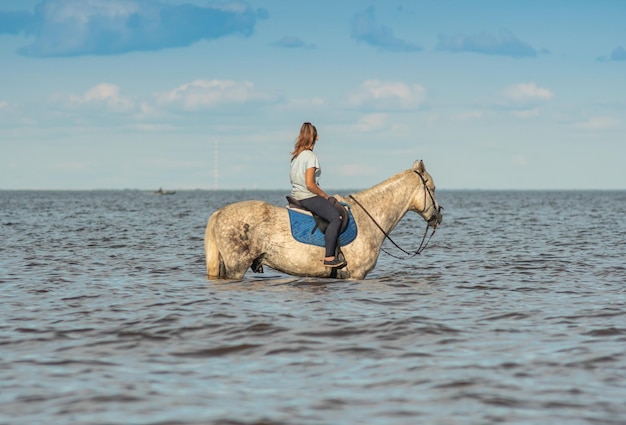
x=425 y=203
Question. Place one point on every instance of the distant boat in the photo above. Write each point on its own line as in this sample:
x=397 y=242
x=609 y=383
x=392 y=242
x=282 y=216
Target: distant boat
x=164 y=192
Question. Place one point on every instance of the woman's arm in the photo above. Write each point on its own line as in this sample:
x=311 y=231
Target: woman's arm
x=311 y=185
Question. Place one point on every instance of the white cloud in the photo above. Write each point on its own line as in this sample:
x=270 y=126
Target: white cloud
x=148 y=111
x=206 y=94
x=598 y=123
x=527 y=93
x=386 y=95
x=4 y=105
x=104 y=94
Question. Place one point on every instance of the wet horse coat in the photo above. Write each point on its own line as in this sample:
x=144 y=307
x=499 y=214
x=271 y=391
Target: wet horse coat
x=254 y=233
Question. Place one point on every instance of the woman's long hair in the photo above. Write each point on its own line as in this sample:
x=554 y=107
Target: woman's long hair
x=306 y=139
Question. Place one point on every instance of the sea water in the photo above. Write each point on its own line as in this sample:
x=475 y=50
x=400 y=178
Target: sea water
x=514 y=314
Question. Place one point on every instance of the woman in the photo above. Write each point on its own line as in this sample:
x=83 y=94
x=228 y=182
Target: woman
x=304 y=175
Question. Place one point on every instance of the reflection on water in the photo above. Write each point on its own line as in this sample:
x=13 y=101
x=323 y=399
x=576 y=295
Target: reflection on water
x=514 y=314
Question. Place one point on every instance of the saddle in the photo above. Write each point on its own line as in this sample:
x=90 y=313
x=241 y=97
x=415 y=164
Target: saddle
x=308 y=228
x=321 y=223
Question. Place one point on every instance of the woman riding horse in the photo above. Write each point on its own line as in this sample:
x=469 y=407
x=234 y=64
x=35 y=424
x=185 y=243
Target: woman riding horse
x=251 y=234
x=304 y=175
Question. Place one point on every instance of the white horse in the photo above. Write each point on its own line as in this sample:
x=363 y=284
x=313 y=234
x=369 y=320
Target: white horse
x=252 y=233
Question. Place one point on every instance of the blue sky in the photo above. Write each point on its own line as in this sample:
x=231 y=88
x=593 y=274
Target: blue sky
x=185 y=94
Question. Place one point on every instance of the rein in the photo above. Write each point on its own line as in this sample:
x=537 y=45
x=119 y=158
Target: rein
x=423 y=243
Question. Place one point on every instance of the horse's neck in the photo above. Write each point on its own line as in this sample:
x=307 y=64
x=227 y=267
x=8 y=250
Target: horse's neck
x=389 y=201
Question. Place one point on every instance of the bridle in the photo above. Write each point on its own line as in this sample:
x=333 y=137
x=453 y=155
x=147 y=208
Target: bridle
x=432 y=222
x=436 y=218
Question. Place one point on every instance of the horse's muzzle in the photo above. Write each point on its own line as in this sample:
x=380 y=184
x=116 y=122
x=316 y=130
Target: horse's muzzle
x=436 y=218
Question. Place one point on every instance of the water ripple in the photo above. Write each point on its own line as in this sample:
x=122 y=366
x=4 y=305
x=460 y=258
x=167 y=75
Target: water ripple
x=514 y=314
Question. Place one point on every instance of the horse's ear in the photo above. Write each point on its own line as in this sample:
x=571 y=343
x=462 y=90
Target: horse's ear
x=419 y=166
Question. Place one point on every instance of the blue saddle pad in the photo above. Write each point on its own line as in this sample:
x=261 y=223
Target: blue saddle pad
x=302 y=225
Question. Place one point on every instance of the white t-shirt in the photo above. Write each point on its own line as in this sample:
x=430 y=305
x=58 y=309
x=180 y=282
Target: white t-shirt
x=305 y=160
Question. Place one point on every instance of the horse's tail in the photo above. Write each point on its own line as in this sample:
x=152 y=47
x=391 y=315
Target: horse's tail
x=214 y=262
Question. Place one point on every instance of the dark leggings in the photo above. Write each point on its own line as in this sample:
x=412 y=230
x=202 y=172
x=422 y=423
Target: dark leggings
x=324 y=209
